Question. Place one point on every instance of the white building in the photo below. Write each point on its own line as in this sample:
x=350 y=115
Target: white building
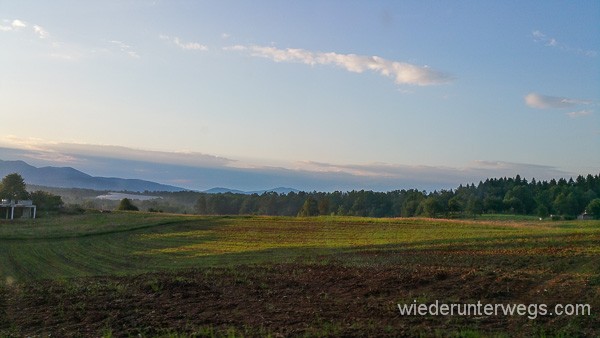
x=9 y=206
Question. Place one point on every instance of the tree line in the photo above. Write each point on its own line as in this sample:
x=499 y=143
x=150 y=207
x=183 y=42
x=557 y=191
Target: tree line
x=566 y=198
x=562 y=198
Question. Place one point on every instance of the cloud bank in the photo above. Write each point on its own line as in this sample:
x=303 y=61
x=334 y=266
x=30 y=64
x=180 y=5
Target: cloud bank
x=400 y=72
x=199 y=171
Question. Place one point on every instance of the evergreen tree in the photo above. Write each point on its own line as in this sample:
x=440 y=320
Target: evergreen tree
x=13 y=187
x=309 y=208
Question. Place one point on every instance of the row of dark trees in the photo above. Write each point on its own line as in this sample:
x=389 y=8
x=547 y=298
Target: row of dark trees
x=498 y=195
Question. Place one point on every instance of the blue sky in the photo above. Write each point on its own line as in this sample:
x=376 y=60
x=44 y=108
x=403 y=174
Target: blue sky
x=317 y=95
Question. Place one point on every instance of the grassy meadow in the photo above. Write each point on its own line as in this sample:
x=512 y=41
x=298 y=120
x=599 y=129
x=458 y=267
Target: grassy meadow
x=424 y=259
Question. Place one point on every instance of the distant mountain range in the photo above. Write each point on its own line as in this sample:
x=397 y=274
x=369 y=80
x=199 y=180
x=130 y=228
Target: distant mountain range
x=67 y=177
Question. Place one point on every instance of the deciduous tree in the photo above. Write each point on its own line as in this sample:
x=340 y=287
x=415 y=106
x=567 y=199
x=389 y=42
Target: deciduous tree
x=594 y=208
x=126 y=205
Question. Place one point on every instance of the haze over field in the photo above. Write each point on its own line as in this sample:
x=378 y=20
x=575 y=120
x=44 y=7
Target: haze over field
x=312 y=95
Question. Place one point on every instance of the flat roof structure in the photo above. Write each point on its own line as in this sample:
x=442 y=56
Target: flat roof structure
x=29 y=209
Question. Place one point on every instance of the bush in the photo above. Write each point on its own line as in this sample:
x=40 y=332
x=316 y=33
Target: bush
x=126 y=205
x=46 y=201
x=594 y=208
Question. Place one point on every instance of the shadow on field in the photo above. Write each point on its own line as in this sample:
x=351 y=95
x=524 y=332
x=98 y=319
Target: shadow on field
x=134 y=288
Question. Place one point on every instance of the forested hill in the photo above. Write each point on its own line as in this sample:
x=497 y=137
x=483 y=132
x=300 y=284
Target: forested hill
x=497 y=195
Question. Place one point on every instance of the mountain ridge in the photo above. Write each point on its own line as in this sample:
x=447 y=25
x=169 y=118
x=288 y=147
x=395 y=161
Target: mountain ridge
x=68 y=177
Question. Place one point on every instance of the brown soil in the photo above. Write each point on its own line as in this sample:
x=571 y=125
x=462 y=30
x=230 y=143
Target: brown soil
x=292 y=300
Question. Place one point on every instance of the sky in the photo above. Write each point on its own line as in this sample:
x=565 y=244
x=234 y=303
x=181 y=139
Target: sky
x=313 y=95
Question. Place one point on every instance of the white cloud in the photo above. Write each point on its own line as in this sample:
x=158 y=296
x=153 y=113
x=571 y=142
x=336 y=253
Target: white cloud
x=184 y=45
x=16 y=24
x=40 y=32
x=54 y=48
x=189 y=45
x=61 y=50
x=535 y=100
x=235 y=48
x=13 y=25
x=400 y=72
x=580 y=113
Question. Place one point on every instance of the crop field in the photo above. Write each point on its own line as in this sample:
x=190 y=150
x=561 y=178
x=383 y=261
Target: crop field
x=149 y=274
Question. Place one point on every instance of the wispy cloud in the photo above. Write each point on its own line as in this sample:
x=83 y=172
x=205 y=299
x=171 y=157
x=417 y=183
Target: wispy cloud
x=535 y=100
x=60 y=50
x=488 y=169
x=37 y=149
x=554 y=43
x=579 y=113
x=54 y=49
x=184 y=45
x=17 y=25
x=41 y=32
x=400 y=72
x=235 y=48
x=189 y=45
x=475 y=170
x=48 y=150
x=541 y=37
x=125 y=48
x=539 y=101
